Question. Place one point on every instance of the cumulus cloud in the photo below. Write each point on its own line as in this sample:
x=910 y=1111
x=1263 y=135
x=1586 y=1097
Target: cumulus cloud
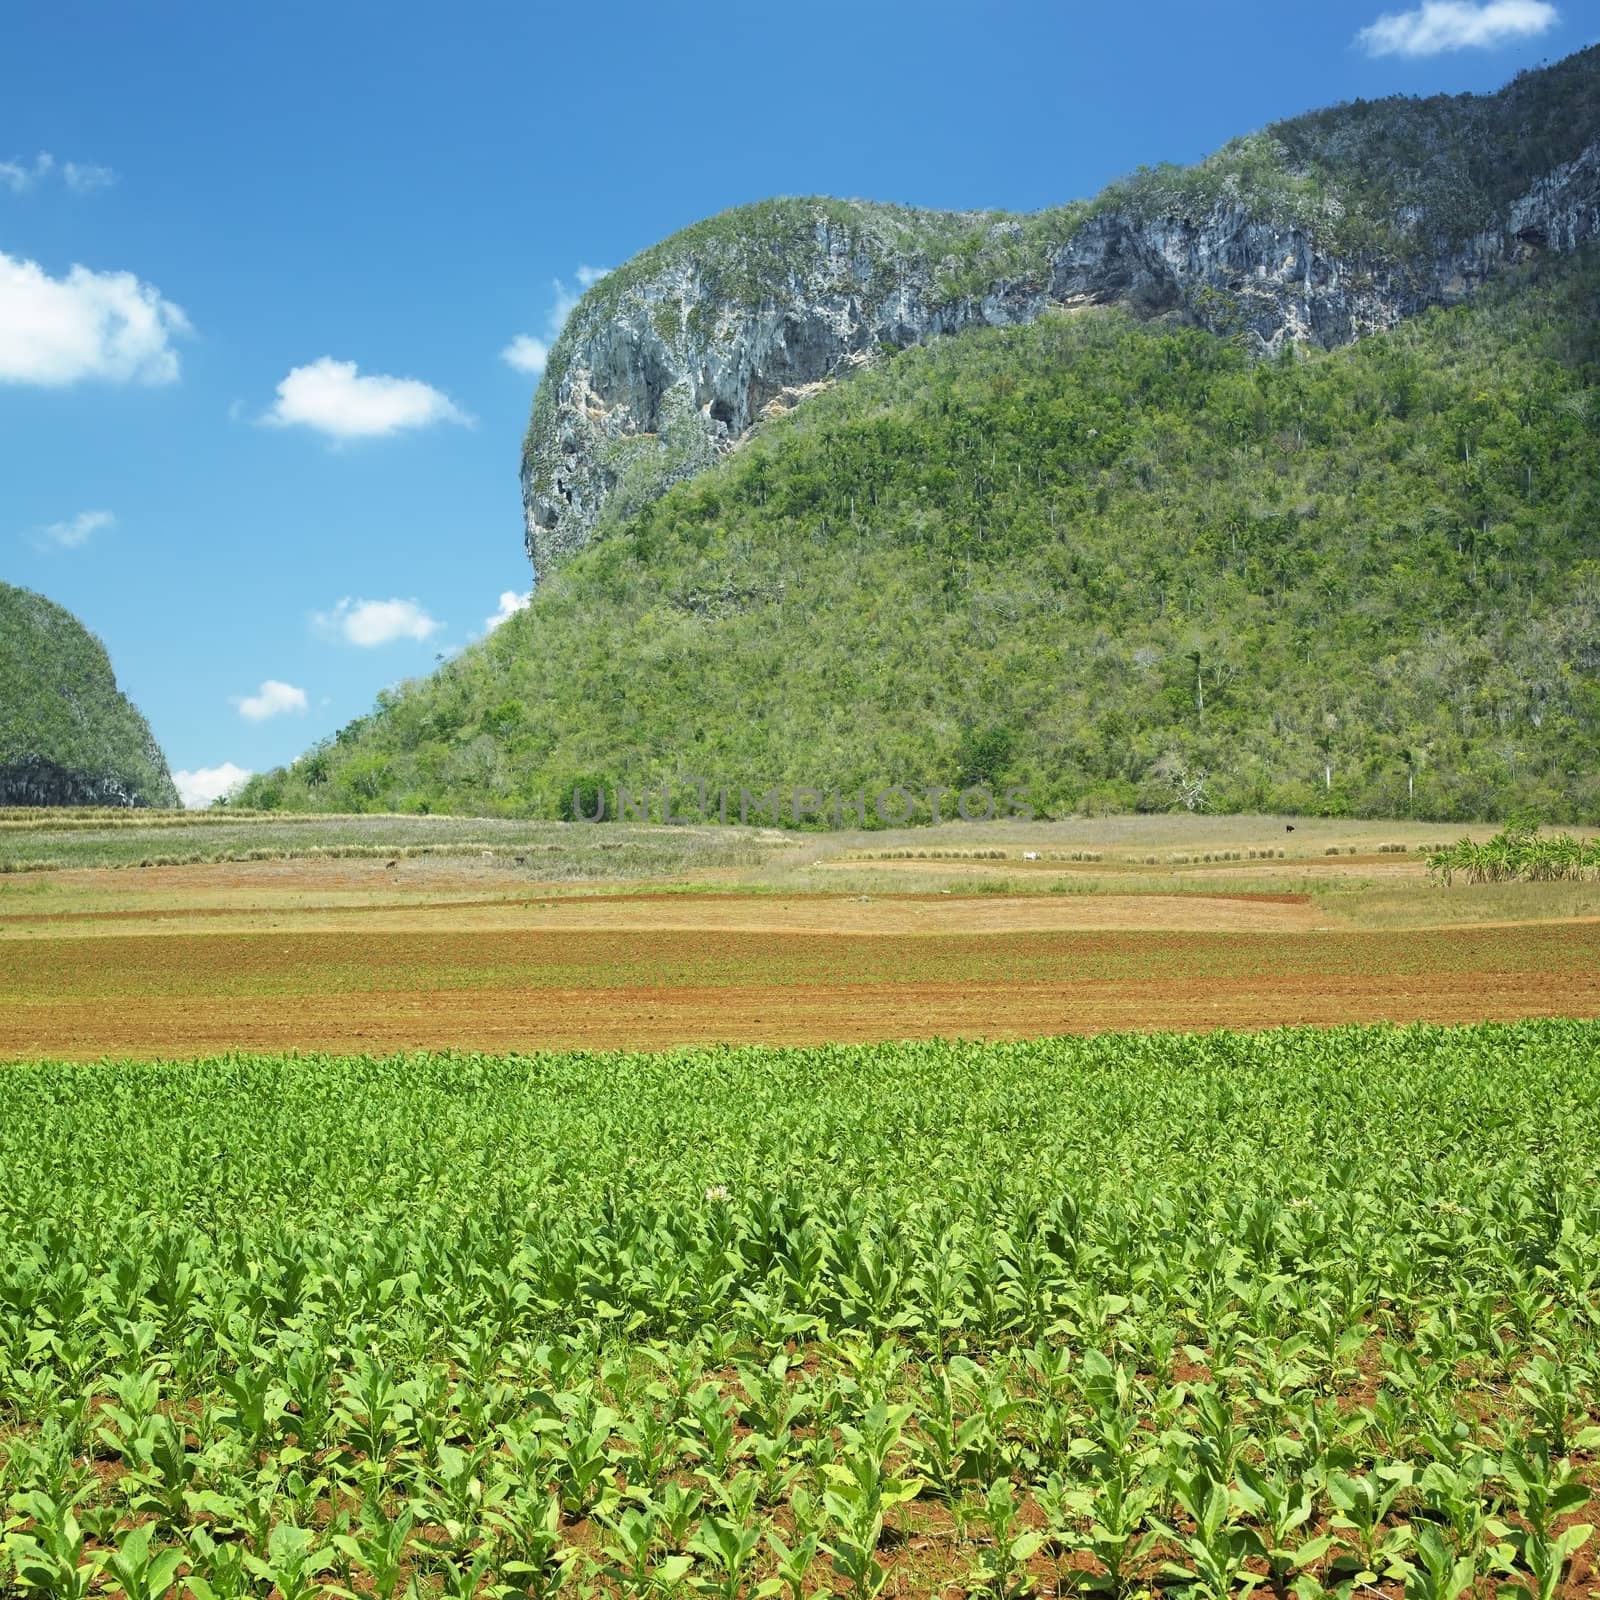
x=1440 y=25
x=109 y=325
x=336 y=399
x=510 y=604
x=206 y=785
x=272 y=699
x=75 y=531
x=528 y=352
x=81 y=177
x=369 y=623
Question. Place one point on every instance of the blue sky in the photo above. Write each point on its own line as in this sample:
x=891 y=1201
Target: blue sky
x=278 y=207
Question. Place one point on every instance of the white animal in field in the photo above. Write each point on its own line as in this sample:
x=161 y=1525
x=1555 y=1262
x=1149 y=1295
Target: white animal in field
x=1030 y=855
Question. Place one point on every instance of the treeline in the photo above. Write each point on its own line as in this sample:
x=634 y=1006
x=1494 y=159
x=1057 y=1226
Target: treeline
x=1118 y=563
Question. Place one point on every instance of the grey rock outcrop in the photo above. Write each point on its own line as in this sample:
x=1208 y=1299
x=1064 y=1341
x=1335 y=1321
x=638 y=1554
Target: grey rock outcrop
x=671 y=361
x=1236 y=272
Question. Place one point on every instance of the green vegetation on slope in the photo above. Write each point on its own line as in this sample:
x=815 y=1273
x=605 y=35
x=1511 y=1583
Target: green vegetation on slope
x=1109 y=560
x=1130 y=1313
x=67 y=735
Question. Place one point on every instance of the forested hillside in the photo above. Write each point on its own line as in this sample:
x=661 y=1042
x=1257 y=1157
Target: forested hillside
x=68 y=736
x=1116 y=561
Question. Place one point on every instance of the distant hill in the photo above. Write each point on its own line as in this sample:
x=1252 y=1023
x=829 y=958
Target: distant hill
x=1104 y=557
x=1268 y=483
x=68 y=736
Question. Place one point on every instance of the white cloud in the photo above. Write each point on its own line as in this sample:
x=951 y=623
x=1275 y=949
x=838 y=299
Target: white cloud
x=564 y=301
x=1439 y=25
x=20 y=178
x=75 y=531
x=373 y=622
x=334 y=398
x=510 y=604
x=109 y=325
x=206 y=785
x=81 y=177
x=272 y=699
x=84 y=177
x=527 y=352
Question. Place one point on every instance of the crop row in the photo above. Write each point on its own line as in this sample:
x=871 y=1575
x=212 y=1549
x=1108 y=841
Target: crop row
x=1297 y=1311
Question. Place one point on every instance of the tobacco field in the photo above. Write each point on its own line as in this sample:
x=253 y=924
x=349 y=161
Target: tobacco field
x=1302 y=1312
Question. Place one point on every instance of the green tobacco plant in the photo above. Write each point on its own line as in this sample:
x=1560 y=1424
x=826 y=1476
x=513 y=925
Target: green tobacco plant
x=859 y=1491
x=136 y=1573
x=49 y=1557
x=376 y=1364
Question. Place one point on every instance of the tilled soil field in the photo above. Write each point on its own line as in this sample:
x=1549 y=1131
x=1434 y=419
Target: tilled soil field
x=116 y=993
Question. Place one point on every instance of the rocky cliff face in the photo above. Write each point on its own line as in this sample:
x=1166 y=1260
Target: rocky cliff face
x=1321 y=230
x=1235 y=271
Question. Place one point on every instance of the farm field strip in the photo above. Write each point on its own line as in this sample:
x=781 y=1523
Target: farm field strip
x=687 y=912
x=1310 y=1312
x=298 y=964
x=185 y=993
x=664 y=1019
